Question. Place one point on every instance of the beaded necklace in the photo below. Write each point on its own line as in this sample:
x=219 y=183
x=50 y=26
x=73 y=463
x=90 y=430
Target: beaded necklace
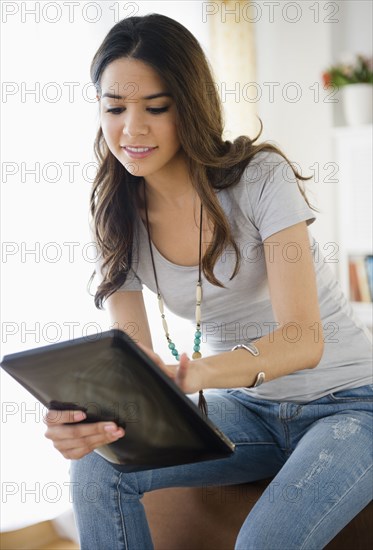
x=198 y=333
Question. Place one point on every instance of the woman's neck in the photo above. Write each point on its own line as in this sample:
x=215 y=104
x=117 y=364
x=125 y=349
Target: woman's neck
x=171 y=188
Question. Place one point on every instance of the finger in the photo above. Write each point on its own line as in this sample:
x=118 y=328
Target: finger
x=80 y=430
x=87 y=444
x=54 y=417
x=183 y=367
x=90 y=442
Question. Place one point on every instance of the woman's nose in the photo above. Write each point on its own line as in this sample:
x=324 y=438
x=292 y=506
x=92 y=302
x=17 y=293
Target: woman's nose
x=134 y=125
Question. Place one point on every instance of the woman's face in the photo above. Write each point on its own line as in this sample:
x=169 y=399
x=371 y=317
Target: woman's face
x=139 y=130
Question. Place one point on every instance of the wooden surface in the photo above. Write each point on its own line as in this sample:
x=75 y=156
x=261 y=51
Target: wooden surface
x=210 y=518
x=41 y=536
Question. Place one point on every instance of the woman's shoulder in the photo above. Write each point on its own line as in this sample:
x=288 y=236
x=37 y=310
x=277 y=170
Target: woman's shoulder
x=262 y=170
x=265 y=164
x=268 y=194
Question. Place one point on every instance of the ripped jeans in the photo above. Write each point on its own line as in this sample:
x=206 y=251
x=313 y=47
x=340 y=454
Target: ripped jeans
x=320 y=454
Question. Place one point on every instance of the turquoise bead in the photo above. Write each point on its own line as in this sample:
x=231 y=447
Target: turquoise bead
x=197 y=342
x=175 y=352
x=197 y=336
x=196 y=348
x=171 y=345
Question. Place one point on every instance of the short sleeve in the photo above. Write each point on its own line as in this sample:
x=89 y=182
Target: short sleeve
x=132 y=282
x=275 y=200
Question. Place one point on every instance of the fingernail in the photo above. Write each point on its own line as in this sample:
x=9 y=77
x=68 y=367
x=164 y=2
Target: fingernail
x=114 y=431
x=79 y=415
x=110 y=427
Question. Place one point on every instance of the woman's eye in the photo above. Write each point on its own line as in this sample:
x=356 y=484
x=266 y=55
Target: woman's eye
x=157 y=111
x=152 y=110
x=115 y=110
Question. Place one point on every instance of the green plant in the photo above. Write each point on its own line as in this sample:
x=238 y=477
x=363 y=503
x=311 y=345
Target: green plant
x=342 y=74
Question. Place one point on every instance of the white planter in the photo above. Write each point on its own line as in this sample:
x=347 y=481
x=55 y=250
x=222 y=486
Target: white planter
x=357 y=103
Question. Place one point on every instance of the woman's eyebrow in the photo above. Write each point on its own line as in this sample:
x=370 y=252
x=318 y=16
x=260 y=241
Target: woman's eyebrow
x=152 y=96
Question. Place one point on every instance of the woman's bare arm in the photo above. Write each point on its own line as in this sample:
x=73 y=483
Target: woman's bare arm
x=127 y=312
x=297 y=342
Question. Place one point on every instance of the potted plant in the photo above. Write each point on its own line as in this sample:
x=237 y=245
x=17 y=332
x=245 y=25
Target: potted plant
x=355 y=79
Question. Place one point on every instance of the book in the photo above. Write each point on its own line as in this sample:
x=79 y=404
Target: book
x=369 y=269
x=360 y=278
x=355 y=295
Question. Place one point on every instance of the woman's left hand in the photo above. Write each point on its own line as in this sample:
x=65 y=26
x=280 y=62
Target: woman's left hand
x=187 y=375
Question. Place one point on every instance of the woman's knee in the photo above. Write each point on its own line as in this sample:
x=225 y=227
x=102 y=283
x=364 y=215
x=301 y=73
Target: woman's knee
x=93 y=478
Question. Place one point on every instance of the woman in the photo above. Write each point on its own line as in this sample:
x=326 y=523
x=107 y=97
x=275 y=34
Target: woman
x=180 y=210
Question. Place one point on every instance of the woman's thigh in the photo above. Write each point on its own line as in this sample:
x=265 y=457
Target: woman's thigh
x=257 y=456
x=324 y=484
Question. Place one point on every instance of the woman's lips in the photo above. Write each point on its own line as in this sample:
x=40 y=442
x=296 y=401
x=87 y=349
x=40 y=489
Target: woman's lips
x=138 y=152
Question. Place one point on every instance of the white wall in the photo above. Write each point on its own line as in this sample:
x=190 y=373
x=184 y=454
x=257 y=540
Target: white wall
x=353 y=33
x=298 y=52
x=351 y=36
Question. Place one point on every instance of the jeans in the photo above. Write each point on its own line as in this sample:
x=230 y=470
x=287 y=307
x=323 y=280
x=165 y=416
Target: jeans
x=320 y=454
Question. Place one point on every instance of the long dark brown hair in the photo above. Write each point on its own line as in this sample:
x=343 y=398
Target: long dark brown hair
x=175 y=54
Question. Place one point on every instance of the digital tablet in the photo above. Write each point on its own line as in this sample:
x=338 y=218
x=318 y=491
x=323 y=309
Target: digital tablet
x=110 y=378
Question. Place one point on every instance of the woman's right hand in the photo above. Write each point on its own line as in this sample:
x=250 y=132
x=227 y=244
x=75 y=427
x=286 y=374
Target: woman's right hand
x=77 y=440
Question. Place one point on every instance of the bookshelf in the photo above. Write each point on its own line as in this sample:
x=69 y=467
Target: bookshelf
x=353 y=155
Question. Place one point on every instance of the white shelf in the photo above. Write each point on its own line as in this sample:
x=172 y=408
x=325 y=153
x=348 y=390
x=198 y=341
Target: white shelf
x=364 y=311
x=353 y=155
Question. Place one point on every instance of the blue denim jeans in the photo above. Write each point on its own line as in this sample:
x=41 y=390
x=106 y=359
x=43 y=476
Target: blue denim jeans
x=320 y=454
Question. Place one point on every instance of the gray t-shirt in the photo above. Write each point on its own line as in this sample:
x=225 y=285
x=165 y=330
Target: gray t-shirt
x=266 y=200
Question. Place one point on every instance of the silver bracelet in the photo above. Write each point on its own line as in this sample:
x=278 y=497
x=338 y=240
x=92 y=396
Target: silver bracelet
x=260 y=378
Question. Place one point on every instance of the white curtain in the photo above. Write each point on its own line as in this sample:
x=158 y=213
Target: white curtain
x=233 y=58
